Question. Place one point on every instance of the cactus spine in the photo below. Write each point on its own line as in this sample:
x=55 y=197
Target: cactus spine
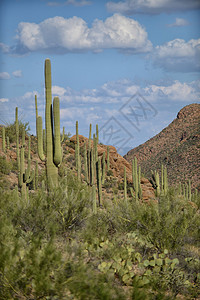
x=52 y=130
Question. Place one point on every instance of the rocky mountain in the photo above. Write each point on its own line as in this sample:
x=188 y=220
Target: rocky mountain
x=177 y=147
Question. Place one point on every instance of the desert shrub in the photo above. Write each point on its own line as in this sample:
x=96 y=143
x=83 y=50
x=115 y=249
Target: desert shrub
x=5 y=166
x=10 y=130
x=167 y=224
x=109 y=173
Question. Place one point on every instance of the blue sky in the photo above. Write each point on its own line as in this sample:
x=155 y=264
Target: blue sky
x=128 y=66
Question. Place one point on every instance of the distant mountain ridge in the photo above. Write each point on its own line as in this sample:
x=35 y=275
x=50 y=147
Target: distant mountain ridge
x=177 y=147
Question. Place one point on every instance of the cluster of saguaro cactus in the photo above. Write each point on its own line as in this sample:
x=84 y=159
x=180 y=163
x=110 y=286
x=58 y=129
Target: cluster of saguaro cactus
x=52 y=141
x=25 y=176
x=185 y=191
x=161 y=188
x=136 y=179
x=94 y=166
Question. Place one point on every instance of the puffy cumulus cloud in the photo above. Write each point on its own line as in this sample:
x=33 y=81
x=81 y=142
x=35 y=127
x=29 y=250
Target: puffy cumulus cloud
x=129 y=7
x=58 y=91
x=60 y=35
x=17 y=73
x=175 y=91
x=179 y=22
x=178 y=55
x=4 y=75
x=2 y=100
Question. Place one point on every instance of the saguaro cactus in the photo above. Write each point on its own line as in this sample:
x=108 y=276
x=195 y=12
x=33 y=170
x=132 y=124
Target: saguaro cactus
x=165 y=181
x=86 y=164
x=52 y=130
x=99 y=179
x=103 y=167
x=3 y=140
x=97 y=133
x=108 y=158
x=78 y=160
x=125 y=185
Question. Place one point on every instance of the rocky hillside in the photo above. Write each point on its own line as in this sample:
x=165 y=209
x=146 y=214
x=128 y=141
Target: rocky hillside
x=177 y=147
x=113 y=181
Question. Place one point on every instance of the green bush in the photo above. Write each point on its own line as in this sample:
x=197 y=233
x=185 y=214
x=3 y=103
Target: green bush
x=168 y=224
x=5 y=166
x=10 y=130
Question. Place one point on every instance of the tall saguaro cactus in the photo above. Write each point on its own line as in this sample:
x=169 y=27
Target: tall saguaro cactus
x=52 y=130
x=3 y=139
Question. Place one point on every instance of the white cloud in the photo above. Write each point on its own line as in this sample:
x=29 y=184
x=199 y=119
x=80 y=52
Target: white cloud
x=5 y=48
x=129 y=7
x=4 y=75
x=4 y=100
x=176 y=91
x=178 y=55
x=60 y=35
x=70 y=2
x=58 y=91
x=17 y=73
x=179 y=22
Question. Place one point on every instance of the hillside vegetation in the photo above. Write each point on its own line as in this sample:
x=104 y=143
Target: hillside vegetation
x=77 y=221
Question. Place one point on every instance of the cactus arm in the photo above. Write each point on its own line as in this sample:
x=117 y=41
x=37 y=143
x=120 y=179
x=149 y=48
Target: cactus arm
x=63 y=135
x=97 y=133
x=85 y=164
x=99 y=173
x=40 y=138
x=57 y=145
x=108 y=159
x=103 y=167
x=90 y=134
x=28 y=170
